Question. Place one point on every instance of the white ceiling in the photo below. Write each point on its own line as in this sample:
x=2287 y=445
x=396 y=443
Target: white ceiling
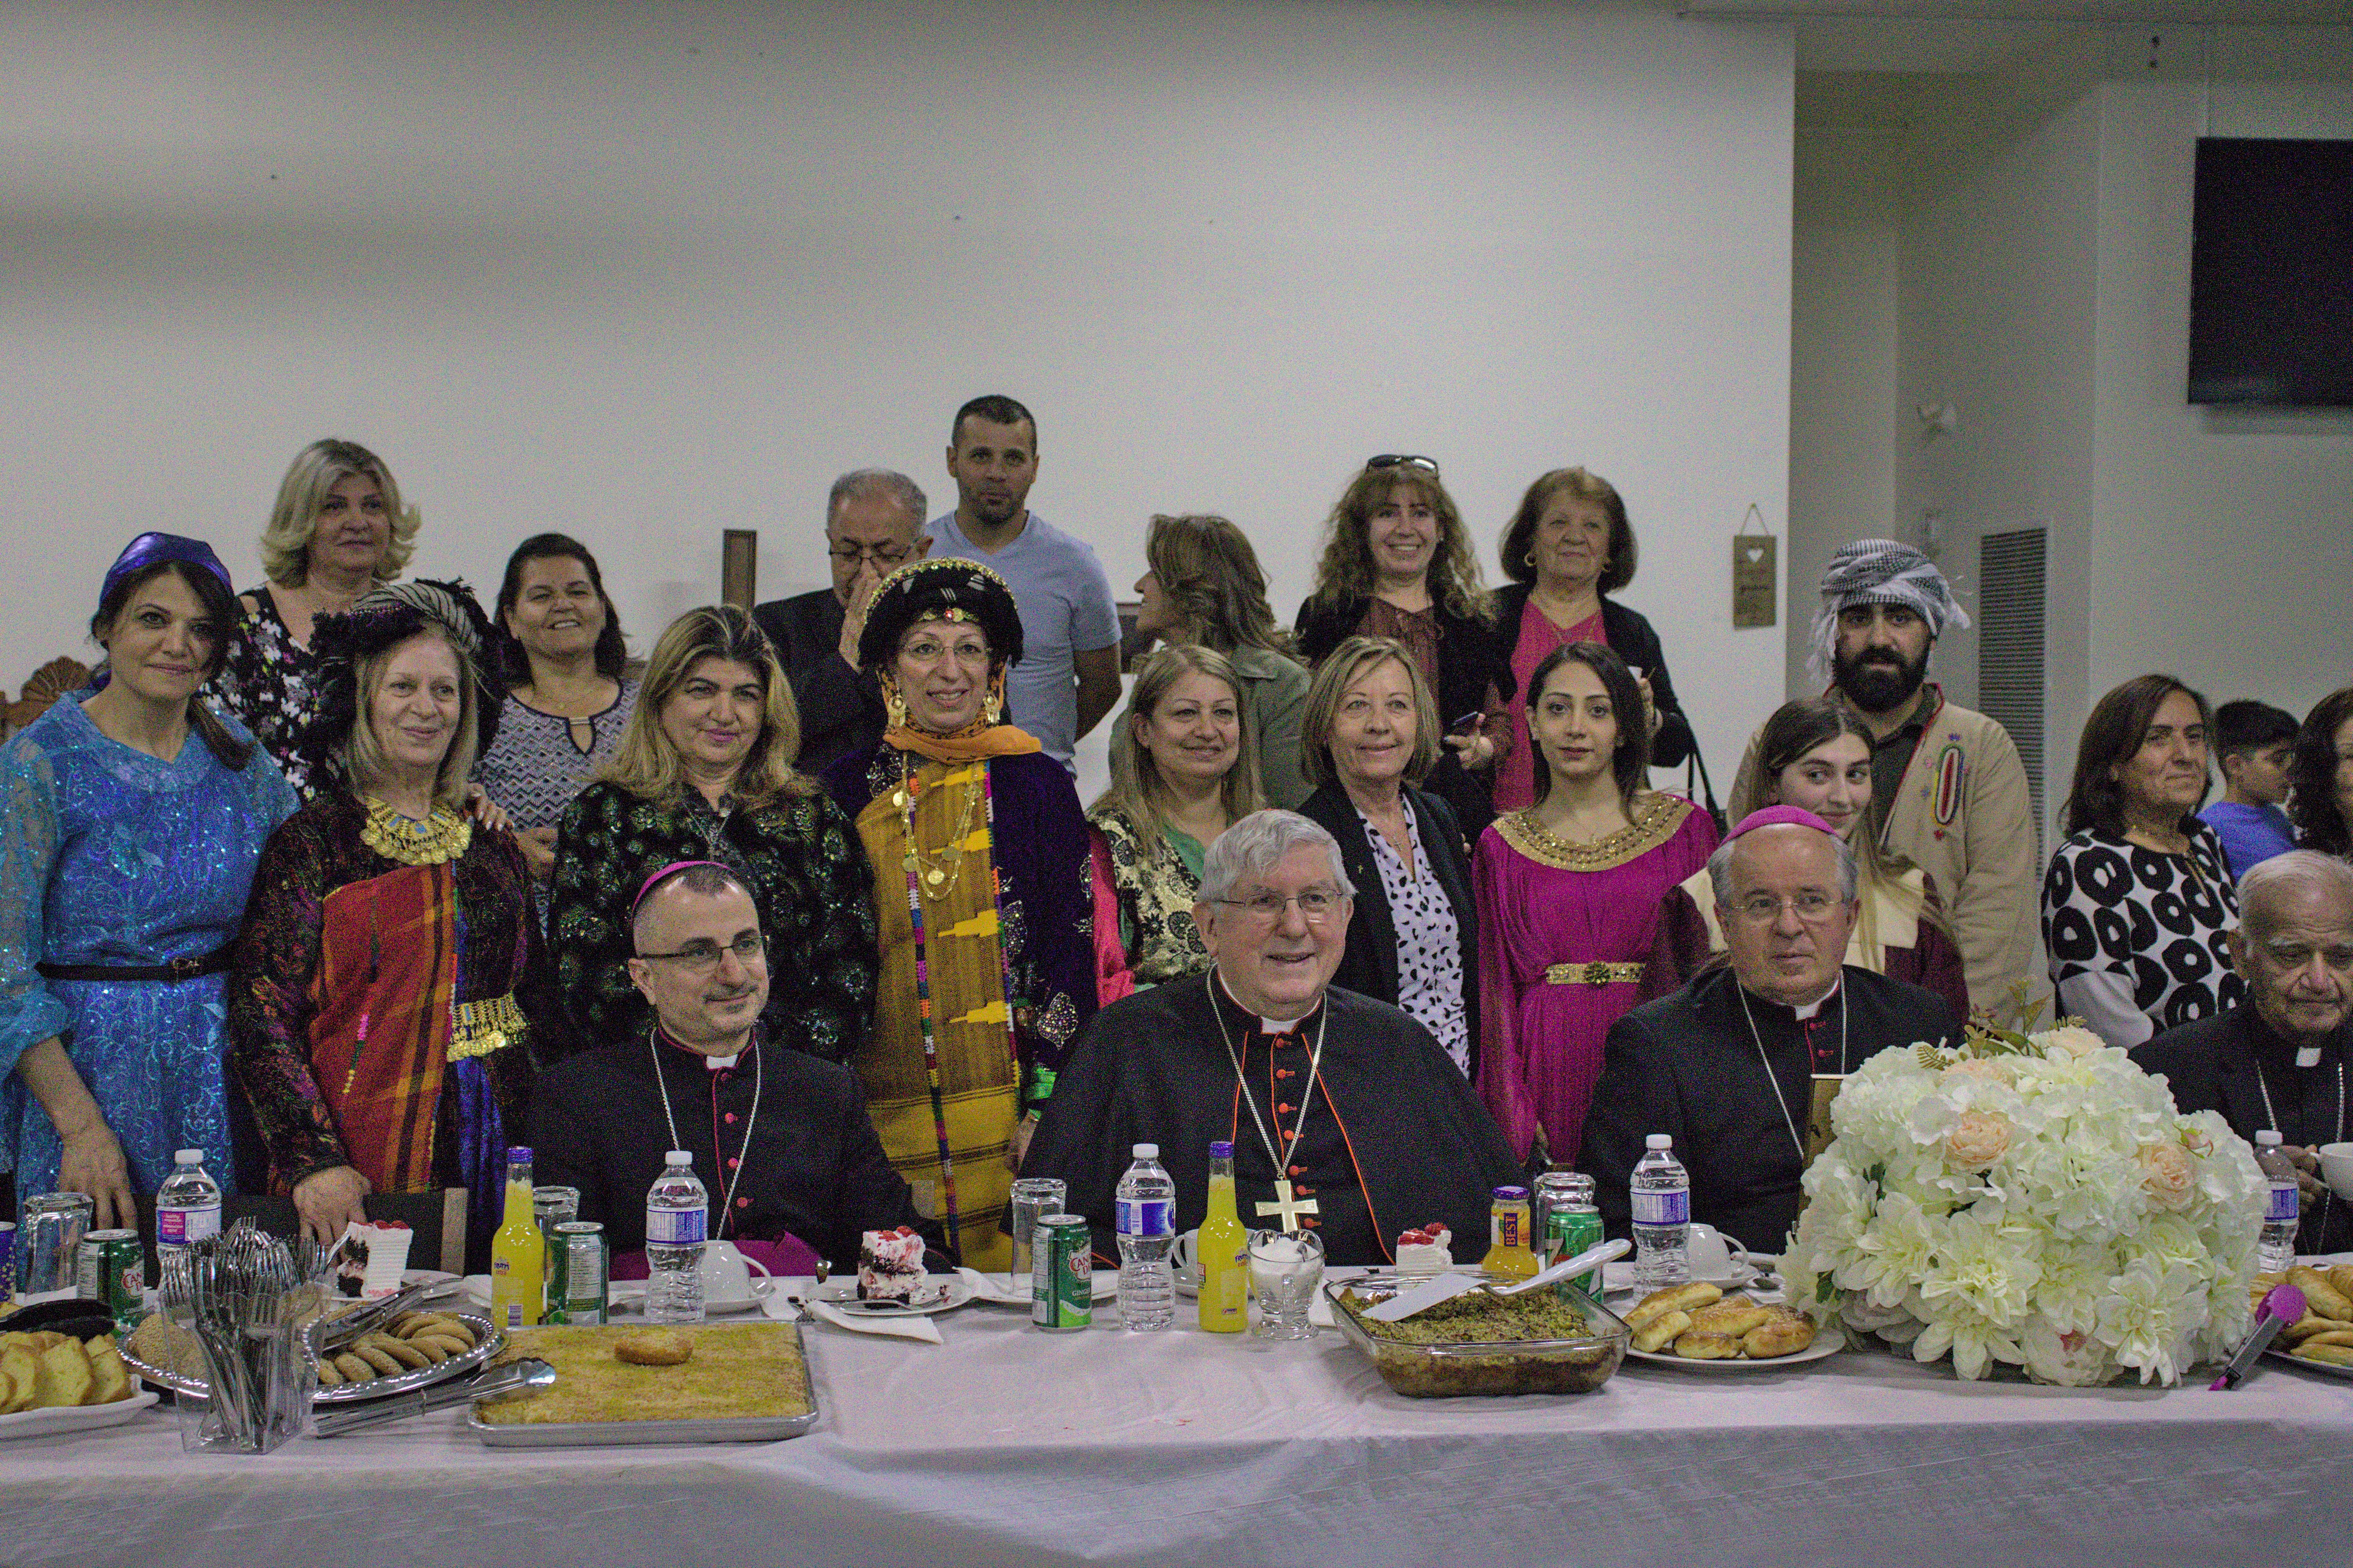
x=1959 y=36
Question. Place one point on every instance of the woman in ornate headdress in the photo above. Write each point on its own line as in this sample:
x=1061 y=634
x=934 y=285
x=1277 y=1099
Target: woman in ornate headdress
x=1569 y=895
x=390 y=969
x=705 y=771
x=982 y=891
x=134 y=817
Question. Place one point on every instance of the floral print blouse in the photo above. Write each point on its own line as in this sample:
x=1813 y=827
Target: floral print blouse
x=269 y=682
x=809 y=878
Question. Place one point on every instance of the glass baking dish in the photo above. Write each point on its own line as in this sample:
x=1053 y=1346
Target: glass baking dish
x=1446 y=1370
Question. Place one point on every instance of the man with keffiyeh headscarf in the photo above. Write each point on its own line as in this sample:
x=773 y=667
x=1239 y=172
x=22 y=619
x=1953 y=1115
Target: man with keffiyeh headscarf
x=1949 y=791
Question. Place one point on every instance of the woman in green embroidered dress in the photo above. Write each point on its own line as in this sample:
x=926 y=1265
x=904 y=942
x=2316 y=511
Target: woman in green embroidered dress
x=1182 y=770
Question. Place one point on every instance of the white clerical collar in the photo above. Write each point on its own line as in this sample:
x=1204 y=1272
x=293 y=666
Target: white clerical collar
x=1814 y=1007
x=1266 y=1024
x=721 y=1063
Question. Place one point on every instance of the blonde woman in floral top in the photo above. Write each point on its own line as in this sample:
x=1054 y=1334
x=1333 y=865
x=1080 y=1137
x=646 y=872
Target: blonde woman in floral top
x=337 y=529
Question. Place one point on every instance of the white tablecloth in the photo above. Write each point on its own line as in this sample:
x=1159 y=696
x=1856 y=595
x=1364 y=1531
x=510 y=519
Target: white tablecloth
x=1006 y=1445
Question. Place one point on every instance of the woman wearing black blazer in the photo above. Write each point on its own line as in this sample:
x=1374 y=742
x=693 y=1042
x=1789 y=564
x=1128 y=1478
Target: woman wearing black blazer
x=1370 y=731
x=1398 y=562
x=1567 y=548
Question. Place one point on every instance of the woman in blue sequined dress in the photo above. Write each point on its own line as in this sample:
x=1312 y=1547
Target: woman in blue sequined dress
x=134 y=816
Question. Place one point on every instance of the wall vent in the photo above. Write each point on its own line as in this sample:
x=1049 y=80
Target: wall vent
x=2009 y=647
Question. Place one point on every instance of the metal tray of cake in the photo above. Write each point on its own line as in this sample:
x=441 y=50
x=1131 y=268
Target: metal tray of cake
x=635 y=1433
x=488 y=1341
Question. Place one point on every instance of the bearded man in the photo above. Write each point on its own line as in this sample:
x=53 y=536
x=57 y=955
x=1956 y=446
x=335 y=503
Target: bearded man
x=1948 y=791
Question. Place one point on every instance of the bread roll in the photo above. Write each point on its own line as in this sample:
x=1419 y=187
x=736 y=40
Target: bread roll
x=655 y=1347
x=2335 y=1355
x=1659 y=1330
x=1700 y=1345
x=1735 y=1315
x=2320 y=1294
x=1673 y=1299
x=1777 y=1336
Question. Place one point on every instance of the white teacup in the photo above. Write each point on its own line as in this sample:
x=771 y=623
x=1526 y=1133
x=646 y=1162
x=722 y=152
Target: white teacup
x=1184 y=1267
x=727 y=1275
x=1713 y=1255
x=2337 y=1169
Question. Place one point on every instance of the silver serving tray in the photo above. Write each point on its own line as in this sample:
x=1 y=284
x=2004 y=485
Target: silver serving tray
x=632 y=1434
x=488 y=1341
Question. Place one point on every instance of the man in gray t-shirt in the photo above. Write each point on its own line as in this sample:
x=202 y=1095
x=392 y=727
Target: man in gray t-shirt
x=1069 y=675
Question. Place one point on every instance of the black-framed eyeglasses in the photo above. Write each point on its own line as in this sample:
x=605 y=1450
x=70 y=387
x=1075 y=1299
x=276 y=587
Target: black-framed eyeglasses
x=702 y=957
x=1401 y=460
x=883 y=555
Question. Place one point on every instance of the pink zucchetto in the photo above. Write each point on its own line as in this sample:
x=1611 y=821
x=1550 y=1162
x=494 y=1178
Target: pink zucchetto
x=1774 y=815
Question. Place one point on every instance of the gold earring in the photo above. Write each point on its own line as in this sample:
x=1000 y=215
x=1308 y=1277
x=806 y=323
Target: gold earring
x=993 y=708
x=1529 y=559
x=895 y=707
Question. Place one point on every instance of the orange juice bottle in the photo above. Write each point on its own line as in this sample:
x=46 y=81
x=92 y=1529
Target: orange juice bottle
x=1222 y=1249
x=1508 y=1252
x=518 y=1253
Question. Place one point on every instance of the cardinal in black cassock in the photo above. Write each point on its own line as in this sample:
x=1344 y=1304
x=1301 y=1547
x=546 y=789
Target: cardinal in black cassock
x=1347 y=1116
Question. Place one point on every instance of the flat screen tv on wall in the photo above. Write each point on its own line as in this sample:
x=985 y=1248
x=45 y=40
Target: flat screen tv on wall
x=2271 y=273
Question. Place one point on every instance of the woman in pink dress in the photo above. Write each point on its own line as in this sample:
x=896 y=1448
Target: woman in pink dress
x=1569 y=892
x=1567 y=548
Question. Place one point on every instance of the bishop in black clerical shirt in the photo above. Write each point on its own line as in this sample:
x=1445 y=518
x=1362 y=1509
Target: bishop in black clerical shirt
x=1345 y=1114
x=1726 y=1066
x=2278 y=1060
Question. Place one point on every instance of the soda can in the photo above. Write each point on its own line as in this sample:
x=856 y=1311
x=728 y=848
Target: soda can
x=1570 y=1231
x=111 y=1269
x=46 y=1252
x=577 y=1290
x=7 y=1260
x=1063 y=1274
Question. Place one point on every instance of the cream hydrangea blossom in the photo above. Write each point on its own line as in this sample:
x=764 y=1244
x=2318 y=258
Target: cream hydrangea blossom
x=2029 y=1200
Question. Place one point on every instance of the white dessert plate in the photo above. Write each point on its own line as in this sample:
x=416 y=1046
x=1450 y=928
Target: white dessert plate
x=441 y=1281
x=841 y=1295
x=1825 y=1345
x=1013 y=1291
x=629 y=1295
x=1618 y=1278
x=75 y=1418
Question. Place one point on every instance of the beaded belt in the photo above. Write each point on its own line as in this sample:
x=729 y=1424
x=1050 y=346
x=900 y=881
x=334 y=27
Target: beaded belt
x=1591 y=974
x=487 y=1025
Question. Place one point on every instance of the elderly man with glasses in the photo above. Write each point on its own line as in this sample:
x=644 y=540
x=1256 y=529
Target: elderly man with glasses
x=1347 y=1116
x=1740 y=1066
x=780 y=1139
x=873 y=526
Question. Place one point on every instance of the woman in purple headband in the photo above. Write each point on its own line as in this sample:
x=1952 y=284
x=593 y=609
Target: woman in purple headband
x=135 y=815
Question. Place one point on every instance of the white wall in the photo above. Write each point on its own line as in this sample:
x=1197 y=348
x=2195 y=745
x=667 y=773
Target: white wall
x=641 y=276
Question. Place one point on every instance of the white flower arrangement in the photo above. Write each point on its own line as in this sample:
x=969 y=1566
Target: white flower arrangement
x=2035 y=1200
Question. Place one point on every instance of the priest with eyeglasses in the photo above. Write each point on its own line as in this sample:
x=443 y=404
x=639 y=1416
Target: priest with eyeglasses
x=781 y=1139
x=1347 y=1116
x=1740 y=1066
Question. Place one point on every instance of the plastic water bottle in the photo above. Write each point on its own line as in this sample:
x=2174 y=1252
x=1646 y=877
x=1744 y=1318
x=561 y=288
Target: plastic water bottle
x=187 y=1205
x=677 y=1217
x=1147 y=1229
x=1661 y=1202
x=2275 y=1247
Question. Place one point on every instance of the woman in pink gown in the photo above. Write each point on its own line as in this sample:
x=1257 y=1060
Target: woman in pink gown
x=1569 y=892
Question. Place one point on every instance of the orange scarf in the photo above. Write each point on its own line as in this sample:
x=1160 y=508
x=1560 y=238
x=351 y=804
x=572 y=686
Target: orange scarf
x=975 y=741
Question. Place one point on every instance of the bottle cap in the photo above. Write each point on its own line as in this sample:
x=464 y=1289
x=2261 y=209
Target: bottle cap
x=188 y=1157
x=518 y=1153
x=1147 y=1151
x=679 y=1157
x=1660 y=1141
x=1221 y=1151
x=2268 y=1137
x=1511 y=1195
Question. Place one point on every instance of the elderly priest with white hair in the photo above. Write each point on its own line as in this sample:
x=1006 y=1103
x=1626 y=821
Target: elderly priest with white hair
x=1741 y=1065
x=2278 y=1060
x=1345 y=1114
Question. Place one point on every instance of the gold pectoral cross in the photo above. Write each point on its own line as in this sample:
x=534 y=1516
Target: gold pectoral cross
x=1290 y=1205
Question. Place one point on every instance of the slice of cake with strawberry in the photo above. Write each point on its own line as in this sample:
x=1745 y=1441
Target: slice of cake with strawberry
x=1425 y=1252
x=891 y=1267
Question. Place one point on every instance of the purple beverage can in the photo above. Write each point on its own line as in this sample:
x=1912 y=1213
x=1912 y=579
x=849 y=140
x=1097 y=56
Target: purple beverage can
x=7 y=1260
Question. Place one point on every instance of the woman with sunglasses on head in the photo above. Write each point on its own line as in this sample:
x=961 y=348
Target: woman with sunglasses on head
x=1567 y=548
x=1570 y=896
x=135 y=817
x=1397 y=562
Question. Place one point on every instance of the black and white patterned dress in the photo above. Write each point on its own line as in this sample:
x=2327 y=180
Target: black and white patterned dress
x=1429 y=939
x=2136 y=936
